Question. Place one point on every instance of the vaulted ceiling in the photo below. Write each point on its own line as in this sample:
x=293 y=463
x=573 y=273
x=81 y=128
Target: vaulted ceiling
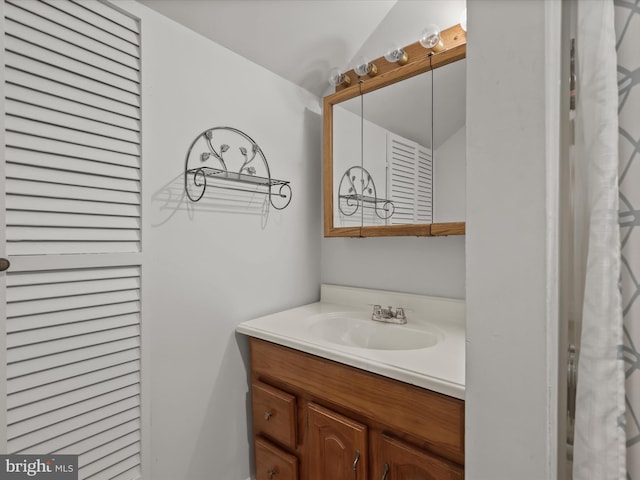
x=301 y=40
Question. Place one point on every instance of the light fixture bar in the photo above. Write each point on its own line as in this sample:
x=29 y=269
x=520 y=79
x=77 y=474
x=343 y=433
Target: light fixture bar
x=451 y=38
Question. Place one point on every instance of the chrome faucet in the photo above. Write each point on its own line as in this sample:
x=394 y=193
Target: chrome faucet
x=388 y=315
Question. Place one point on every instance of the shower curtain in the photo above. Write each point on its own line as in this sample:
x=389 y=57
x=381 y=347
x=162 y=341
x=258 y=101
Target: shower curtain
x=627 y=25
x=607 y=165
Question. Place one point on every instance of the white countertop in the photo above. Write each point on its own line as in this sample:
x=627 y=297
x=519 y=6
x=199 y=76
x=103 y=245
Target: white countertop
x=440 y=368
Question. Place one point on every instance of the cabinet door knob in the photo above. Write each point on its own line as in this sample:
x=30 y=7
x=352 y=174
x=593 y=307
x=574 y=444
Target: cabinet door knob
x=271 y=473
x=268 y=414
x=4 y=264
x=356 y=460
x=385 y=472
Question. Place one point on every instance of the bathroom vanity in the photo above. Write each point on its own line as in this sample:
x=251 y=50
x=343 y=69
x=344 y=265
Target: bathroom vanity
x=326 y=405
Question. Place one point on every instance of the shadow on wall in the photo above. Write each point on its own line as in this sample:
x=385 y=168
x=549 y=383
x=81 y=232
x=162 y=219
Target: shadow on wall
x=172 y=198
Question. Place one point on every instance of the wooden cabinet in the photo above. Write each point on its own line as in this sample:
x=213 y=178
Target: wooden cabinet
x=314 y=419
x=400 y=461
x=337 y=446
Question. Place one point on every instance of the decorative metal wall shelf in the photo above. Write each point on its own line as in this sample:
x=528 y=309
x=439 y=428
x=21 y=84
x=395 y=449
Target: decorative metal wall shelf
x=214 y=145
x=358 y=190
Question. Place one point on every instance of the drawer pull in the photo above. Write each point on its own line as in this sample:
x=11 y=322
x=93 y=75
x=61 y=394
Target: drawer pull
x=272 y=473
x=385 y=472
x=267 y=415
x=356 y=460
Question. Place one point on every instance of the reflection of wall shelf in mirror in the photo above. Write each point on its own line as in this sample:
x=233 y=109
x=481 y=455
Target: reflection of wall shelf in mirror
x=245 y=179
x=356 y=197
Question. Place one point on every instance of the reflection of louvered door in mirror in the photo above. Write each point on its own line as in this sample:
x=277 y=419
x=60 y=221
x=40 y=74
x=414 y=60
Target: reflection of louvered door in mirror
x=409 y=181
x=72 y=215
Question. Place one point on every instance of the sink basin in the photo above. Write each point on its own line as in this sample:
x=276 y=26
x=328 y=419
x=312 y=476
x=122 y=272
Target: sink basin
x=356 y=329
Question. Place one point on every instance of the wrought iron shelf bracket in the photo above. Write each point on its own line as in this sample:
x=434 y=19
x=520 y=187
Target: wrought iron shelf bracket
x=198 y=177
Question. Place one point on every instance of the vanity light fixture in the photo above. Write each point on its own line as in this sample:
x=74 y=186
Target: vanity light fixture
x=397 y=55
x=336 y=78
x=430 y=38
x=363 y=68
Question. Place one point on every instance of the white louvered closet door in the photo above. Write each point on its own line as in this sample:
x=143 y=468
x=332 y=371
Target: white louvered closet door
x=72 y=205
x=410 y=181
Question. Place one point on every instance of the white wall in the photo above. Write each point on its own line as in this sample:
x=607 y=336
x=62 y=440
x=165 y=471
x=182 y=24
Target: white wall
x=208 y=270
x=510 y=395
x=420 y=265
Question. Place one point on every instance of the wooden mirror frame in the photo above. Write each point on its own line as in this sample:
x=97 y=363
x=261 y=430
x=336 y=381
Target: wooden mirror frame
x=455 y=43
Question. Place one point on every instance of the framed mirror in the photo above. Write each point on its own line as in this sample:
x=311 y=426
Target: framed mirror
x=381 y=177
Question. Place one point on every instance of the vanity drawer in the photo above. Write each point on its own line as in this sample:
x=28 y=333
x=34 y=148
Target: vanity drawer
x=274 y=414
x=273 y=463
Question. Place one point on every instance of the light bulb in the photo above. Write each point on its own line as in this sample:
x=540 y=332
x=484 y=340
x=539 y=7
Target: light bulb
x=363 y=68
x=336 y=77
x=431 y=38
x=463 y=20
x=396 y=54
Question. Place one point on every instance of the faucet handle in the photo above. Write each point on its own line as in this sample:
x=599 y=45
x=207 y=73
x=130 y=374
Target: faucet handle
x=377 y=311
x=400 y=313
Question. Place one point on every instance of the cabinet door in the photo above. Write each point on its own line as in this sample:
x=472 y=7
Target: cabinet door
x=337 y=446
x=400 y=461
